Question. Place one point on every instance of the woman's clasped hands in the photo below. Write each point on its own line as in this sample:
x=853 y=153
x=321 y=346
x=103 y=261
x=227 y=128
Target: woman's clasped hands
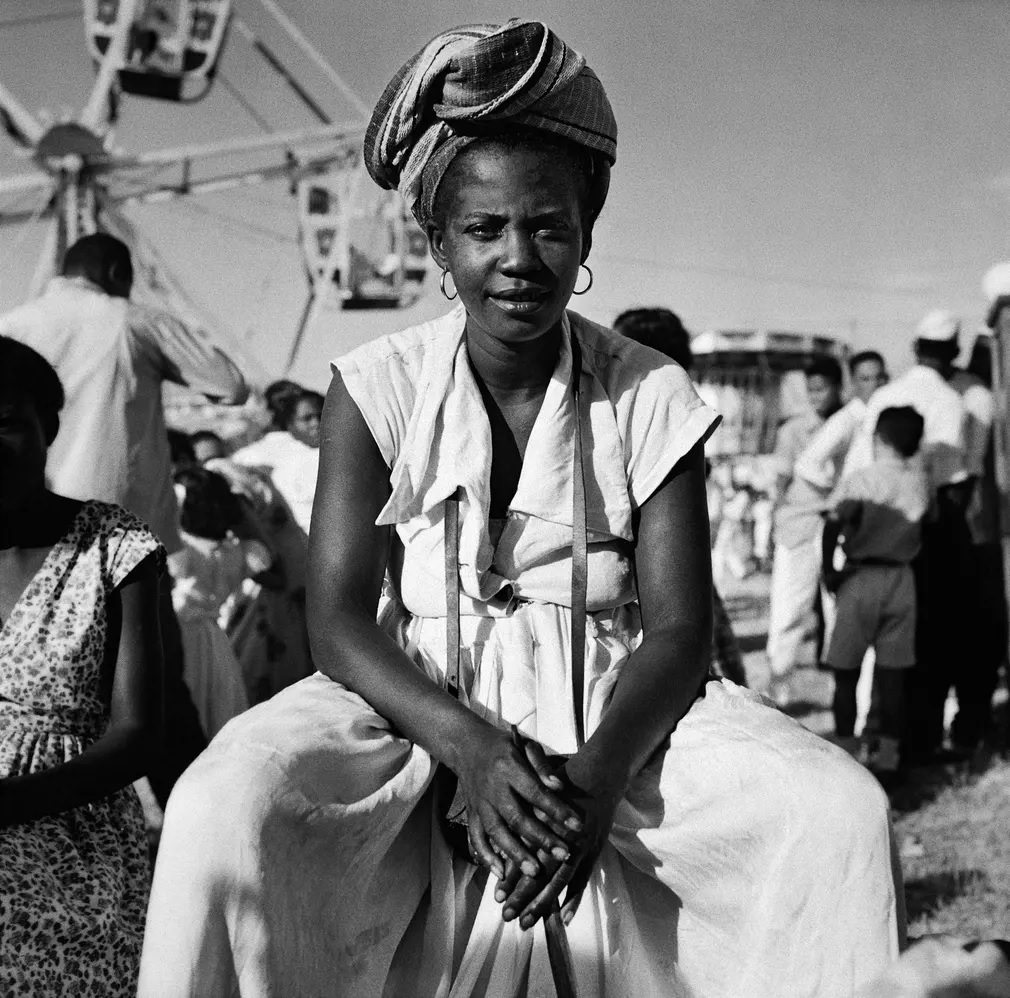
x=534 y=824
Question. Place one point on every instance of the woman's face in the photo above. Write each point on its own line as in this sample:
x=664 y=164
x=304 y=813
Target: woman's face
x=512 y=236
x=304 y=425
x=22 y=450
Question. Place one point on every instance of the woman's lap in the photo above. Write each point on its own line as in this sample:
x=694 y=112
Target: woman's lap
x=296 y=841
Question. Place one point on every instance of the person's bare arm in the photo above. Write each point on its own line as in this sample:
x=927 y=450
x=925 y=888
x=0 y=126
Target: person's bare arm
x=121 y=755
x=347 y=561
x=191 y=358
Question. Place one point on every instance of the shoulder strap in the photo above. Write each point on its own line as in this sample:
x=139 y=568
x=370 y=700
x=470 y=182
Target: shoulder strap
x=452 y=593
x=580 y=553
x=580 y=558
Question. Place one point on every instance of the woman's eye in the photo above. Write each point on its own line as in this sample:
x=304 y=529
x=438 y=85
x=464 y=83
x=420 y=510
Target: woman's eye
x=483 y=230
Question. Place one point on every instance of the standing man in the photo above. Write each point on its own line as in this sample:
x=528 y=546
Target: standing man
x=944 y=561
x=113 y=356
x=822 y=460
x=796 y=563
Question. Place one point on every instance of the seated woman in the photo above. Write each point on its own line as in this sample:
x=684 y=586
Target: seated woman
x=533 y=484
x=80 y=709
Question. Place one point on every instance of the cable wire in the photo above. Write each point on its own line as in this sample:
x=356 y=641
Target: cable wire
x=244 y=103
x=30 y=19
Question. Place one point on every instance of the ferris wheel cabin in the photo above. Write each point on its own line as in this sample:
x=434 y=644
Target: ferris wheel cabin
x=172 y=47
x=363 y=237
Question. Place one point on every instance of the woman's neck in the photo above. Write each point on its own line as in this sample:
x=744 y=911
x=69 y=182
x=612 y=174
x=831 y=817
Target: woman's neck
x=514 y=368
x=38 y=519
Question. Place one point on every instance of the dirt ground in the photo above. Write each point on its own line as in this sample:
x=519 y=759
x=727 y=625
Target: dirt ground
x=952 y=822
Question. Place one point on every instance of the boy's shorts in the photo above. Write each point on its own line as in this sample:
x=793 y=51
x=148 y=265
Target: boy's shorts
x=875 y=608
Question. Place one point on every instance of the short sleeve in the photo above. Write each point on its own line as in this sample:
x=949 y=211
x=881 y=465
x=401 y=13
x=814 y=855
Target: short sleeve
x=384 y=393
x=662 y=419
x=127 y=541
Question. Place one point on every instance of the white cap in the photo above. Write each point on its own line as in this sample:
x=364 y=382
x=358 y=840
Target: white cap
x=995 y=286
x=938 y=326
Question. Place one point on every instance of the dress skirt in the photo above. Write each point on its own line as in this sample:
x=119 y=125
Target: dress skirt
x=301 y=855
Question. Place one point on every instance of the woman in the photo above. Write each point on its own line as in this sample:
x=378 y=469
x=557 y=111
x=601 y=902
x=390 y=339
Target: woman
x=80 y=705
x=271 y=639
x=307 y=853
x=289 y=453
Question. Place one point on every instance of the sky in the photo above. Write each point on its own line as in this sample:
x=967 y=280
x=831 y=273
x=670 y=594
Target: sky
x=827 y=166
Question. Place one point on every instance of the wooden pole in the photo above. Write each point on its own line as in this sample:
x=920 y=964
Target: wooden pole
x=1001 y=435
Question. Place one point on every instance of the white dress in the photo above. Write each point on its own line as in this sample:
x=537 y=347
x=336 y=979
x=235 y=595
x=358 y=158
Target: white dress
x=205 y=573
x=301 y=856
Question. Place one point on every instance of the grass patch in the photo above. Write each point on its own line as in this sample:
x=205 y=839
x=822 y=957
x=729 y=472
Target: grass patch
x=954 y=832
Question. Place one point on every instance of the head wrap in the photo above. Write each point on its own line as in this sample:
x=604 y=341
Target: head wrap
x=471 y=81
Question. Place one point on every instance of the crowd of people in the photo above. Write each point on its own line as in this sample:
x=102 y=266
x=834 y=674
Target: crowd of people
x=886 y=526
x=470 y=734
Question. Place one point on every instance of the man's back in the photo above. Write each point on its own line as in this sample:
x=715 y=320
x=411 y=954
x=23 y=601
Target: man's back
x=943 y=450
x=112 y=356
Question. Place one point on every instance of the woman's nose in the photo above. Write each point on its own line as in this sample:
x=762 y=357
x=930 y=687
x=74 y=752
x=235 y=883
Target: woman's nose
x=520 y=252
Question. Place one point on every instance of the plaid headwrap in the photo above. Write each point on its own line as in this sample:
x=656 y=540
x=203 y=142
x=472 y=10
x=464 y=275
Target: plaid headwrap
x=463 y=83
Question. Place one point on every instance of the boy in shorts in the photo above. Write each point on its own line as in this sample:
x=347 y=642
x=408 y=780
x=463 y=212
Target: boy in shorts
x=876 y=512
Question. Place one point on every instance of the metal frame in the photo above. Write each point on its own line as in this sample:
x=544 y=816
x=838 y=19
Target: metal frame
x=80 y=172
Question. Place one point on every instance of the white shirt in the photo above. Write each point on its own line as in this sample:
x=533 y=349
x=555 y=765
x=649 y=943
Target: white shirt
x=943 y=450
x=112 y=356
x=979 y=408
x=821 y=462
x=292 y=466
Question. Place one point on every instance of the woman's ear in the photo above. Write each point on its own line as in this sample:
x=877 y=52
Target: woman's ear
x=433 y=231
x=587 y=240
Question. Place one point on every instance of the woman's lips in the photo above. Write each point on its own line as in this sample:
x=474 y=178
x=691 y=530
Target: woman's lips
x=519 y=302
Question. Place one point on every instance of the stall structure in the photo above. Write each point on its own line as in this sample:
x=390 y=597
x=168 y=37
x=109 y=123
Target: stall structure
x=754 y=378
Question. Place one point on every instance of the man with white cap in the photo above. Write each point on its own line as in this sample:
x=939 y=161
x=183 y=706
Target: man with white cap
x=944 y=556
x=982 y=611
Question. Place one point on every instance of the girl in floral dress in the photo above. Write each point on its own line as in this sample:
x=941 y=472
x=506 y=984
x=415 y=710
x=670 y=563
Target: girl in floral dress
x=80 y=702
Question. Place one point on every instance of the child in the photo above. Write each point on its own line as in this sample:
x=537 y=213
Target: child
x=877 y=511
x=211 y=566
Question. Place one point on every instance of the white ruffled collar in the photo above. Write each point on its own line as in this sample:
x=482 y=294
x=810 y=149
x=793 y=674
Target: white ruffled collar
x=447 y=444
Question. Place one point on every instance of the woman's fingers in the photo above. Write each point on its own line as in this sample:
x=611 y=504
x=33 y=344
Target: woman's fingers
x=507 y=882
x=510 y=847
x=543 y=766
x=558 y=810
x=539 y=902
x=536 y=833
x=480 y=847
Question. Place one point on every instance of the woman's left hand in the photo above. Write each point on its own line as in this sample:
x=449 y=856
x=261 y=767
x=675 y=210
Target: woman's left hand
x=532 y=898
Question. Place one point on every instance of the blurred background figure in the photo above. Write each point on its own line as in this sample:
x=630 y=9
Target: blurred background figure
x=662 y=330
x=796 y=563
x=289 y=451
x=218 y=554
x=944 y=566
x=113 y=356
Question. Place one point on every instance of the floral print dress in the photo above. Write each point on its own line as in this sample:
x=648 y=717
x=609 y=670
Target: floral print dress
x=73 y=886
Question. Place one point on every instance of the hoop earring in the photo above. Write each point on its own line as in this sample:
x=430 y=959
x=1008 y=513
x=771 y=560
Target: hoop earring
x=589 y=285
x=441 y=284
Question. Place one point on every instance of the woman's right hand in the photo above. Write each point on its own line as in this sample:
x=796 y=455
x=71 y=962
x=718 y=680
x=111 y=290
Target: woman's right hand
x=505 y=785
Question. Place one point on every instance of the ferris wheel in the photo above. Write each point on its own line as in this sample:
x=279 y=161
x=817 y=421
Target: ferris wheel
x=360 y=246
